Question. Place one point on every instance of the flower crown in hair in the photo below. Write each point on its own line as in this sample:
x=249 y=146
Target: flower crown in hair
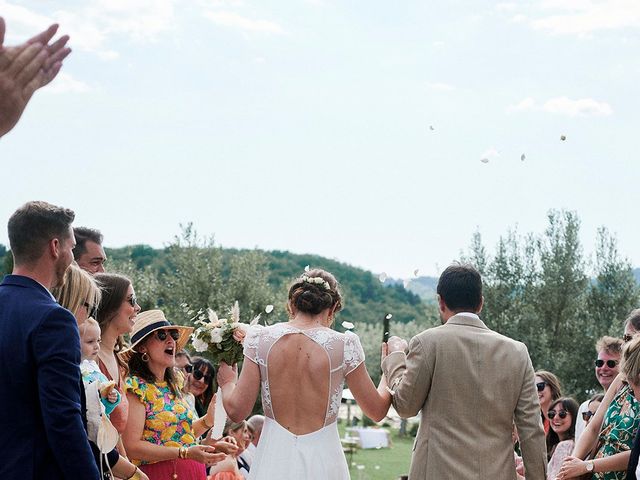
x=317 y=281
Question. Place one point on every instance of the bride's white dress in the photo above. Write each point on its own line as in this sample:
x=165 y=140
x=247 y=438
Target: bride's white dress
x=313 y=456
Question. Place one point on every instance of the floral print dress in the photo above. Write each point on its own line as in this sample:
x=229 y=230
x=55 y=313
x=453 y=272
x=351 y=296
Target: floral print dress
x=618 y=430
x=168 y=419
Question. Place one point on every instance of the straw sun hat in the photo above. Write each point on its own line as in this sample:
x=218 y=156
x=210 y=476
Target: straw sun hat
x=148 y=322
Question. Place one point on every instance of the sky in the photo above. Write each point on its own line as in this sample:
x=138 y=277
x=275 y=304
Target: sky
x=381 y=134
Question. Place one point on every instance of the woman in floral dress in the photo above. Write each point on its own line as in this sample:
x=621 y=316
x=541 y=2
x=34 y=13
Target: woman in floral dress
x=161 y=432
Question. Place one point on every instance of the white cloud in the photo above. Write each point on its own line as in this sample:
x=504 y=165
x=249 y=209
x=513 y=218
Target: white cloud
x=506 y=7
x=582 y=17
x=65 y=83
x=438 y=44
x=582 y=107
x=442 y=87
x=97 y=25
x=237 y=21
x=523 y=105
x=518 y=18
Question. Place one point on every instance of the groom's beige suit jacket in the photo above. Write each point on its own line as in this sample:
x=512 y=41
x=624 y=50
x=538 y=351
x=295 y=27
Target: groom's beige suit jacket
x=469 y=383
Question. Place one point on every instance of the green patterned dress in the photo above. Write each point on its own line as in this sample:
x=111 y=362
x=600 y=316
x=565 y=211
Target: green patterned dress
x=618 y=430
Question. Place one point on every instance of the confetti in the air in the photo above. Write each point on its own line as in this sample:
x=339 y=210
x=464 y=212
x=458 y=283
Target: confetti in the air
x=382 y=277
x=563 y=137
x=268 y=309
x=415 y=272
x=348 y=325
x=489 y=154
x=431 y=128
x=523 y=157
x=389 y=316
x=307 y=268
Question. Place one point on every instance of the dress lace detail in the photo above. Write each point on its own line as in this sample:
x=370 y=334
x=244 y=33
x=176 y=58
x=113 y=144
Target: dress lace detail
x=344 y=351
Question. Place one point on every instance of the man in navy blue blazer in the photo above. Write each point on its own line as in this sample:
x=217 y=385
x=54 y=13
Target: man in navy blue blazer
x=41 y=430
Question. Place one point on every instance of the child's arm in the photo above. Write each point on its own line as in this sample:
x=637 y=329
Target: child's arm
x=109 y=396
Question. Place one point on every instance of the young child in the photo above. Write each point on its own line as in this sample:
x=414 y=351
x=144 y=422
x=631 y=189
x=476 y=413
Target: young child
x=90 y=345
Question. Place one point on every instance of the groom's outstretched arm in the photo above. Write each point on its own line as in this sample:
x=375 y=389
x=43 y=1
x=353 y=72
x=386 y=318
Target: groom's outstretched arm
x=409 y=377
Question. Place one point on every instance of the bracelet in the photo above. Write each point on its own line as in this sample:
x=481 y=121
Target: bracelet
x=133 y=474
x=180 y=452
x=204 y=420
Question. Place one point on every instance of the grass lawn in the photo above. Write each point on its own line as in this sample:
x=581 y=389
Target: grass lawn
x=384 y=463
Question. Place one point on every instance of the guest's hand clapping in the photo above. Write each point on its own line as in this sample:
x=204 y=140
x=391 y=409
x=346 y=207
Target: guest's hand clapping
x=205 y=454
x=227 y=374
x=397 y=344
x=24 y=69
x=226 y=445
x=572 y=467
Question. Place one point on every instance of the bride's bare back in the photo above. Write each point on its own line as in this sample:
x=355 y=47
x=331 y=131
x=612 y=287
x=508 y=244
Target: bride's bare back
x=302 y=373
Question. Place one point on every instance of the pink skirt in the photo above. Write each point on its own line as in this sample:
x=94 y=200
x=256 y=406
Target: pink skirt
x=185 y=469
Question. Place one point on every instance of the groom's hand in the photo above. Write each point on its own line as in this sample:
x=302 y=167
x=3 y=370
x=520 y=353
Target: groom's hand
x=397 y=344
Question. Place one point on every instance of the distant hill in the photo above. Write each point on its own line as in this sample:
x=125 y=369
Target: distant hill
x=424 y=287
x=636 y=273
x=366 y=298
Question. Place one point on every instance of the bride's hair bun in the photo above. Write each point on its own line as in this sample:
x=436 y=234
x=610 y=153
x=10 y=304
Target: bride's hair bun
x=309 y=293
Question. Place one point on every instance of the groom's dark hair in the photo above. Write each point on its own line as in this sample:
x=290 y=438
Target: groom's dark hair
x=460 y=287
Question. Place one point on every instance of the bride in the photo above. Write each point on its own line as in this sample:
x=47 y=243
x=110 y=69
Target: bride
x=301 y=366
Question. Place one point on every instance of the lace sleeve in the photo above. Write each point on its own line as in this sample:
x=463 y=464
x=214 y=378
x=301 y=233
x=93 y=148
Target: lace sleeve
x=353 y=353
x=250 y=346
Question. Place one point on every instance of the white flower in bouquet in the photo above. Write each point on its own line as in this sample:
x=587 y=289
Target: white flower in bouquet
x=200 y=345
x=216 y=335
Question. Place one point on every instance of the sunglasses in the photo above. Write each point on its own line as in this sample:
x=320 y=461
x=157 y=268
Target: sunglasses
x=627 y=338
x=162 y=334
x=610 y=363
x=197 y=374
x=92 y=310
x=540 y=386
x=587 y=415
x=188 y=368
x=133 y=300
x=562 y=414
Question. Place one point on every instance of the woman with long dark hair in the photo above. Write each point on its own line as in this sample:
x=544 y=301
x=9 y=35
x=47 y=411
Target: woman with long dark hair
x=116 y=315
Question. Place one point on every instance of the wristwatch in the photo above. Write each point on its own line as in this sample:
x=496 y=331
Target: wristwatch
x=589 y=466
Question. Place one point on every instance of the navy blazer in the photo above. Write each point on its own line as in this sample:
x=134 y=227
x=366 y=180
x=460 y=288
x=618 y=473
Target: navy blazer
x=41 y=430
x=633 y=460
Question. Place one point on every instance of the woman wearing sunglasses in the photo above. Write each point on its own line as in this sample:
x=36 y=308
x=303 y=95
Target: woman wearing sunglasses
x=560 y=441
x=161 y=432
x=116 y=315
x=200 y=384
x=549 y=390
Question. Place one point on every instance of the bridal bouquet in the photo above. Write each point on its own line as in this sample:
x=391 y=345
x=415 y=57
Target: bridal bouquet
x=222 y=338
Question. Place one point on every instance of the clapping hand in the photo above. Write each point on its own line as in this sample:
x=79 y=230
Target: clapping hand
x=396 y=344
x=205 y=454
x=227 y=445
x=26 y=68
x=572 y=467
x=227 y=374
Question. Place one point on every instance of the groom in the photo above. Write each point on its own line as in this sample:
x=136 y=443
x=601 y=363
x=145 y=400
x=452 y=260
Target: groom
x=470 y=384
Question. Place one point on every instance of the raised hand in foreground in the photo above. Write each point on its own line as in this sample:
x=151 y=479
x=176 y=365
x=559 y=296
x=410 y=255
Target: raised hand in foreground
x=26 y=68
